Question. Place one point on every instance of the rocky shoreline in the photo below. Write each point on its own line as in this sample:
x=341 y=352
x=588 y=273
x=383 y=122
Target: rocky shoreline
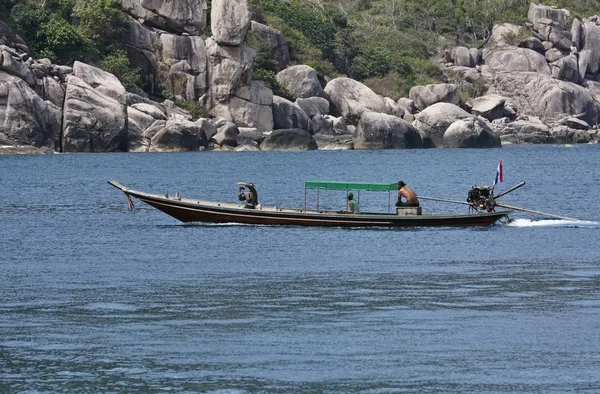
x=541 y=80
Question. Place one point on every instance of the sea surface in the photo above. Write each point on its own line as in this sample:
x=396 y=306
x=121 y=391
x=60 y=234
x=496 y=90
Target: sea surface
x=95 y=298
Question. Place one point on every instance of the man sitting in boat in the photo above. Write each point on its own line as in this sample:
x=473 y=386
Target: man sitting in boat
x=408 y=194
x=250 y=195
x=352 y=204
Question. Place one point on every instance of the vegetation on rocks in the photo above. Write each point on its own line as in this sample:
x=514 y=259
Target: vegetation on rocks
x=390 y=45
x=68 y=30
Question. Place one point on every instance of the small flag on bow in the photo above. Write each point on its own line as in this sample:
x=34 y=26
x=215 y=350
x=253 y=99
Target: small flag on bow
x=131 y=204
x=499 y=177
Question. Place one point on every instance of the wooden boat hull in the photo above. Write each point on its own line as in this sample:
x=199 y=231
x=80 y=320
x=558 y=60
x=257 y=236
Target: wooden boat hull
x=187 y=211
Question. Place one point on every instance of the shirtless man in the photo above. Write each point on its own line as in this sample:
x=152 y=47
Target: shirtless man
x=408 y=194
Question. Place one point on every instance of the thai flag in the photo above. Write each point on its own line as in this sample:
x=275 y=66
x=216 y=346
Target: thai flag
x=499 y=177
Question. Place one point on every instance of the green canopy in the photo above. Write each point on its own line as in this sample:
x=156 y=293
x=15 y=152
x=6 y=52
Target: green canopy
x=335 y=185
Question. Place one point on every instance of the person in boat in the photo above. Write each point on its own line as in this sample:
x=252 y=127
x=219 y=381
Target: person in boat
x=250 y=196
x=352 y=204
x=409 y=195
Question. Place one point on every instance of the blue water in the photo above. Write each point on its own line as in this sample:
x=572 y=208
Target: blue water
x=96 y=298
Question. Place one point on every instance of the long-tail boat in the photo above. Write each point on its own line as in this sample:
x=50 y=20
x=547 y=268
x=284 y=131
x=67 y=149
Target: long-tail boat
x=190 y=210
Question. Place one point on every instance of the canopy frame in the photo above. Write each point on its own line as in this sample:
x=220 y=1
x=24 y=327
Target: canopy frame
x=347 y=186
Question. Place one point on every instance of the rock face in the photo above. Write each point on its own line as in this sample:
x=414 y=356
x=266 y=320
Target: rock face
x=433 y=122
x=470 y=133
x=103 y=82
x=289 y=139
x=490 y=106
x=278 y=48
x=180 y=16
x=92 y=122
x=230 y=20
x=182 y=66
x=287 y=115
x=313 y=106
x=352 y=98
x=518 y=59
x=538 y=12
x=248 y=107
x=176 y=136
x=462 y=56
x=168 y=61
x=229 y=67
x=425 y=96
x=381 y=131
x=26 y=119
x=301 y=81
x=542 y=96
x=590 y=49
x=524 y=132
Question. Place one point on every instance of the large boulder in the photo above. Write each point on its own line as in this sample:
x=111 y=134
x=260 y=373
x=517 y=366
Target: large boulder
x=517 y=59
x=352 y=98
x=434 y=120
x=278 y=48
x=566 y=68
x=227 y=135
x=229 y=68
x=137 y=123
x=576 y=33
x=533 y=43
x=501 y=35
x=26 y=119
x=313 y=106
x=590 y=48
x=102 y=81
x=53 y=91
x=288 y=115
x=538 y=12
x=461 y=56
x=523 y=132
x=177 y=136
x=490 y=106
x=171 y=62
x=179 y=16
x=229 y=21
x=382 y=131
x=334 y=142
x=301 y=81
x=92 y=121
x=250 y=106
x=183 y=66
x=425 y=96
x=151 y=110
x=12 y=40
x=470 y=133
x=11 y=62
x=542 y=96
x=289 y=139
x=247 y=134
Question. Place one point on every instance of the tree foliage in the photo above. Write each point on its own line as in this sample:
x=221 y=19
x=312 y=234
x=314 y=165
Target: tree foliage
x=117 y=63
x=68 y=30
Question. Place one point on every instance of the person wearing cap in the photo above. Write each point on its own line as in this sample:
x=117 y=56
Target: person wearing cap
x=408 y=194
x=352 y=204
x=250 y=196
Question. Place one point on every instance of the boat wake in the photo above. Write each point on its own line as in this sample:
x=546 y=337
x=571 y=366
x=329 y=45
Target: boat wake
x=553 y=223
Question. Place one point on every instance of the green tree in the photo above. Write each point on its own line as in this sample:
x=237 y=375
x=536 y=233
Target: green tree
x=101 y=22
x=117 y=63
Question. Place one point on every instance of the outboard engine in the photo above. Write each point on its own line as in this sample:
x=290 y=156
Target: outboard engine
x=481 y=198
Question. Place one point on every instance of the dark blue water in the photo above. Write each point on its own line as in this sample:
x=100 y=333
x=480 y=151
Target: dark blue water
x=97 y=298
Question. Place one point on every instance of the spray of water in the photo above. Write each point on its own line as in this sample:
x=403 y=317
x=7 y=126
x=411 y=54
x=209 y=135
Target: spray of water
x=553 y=223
